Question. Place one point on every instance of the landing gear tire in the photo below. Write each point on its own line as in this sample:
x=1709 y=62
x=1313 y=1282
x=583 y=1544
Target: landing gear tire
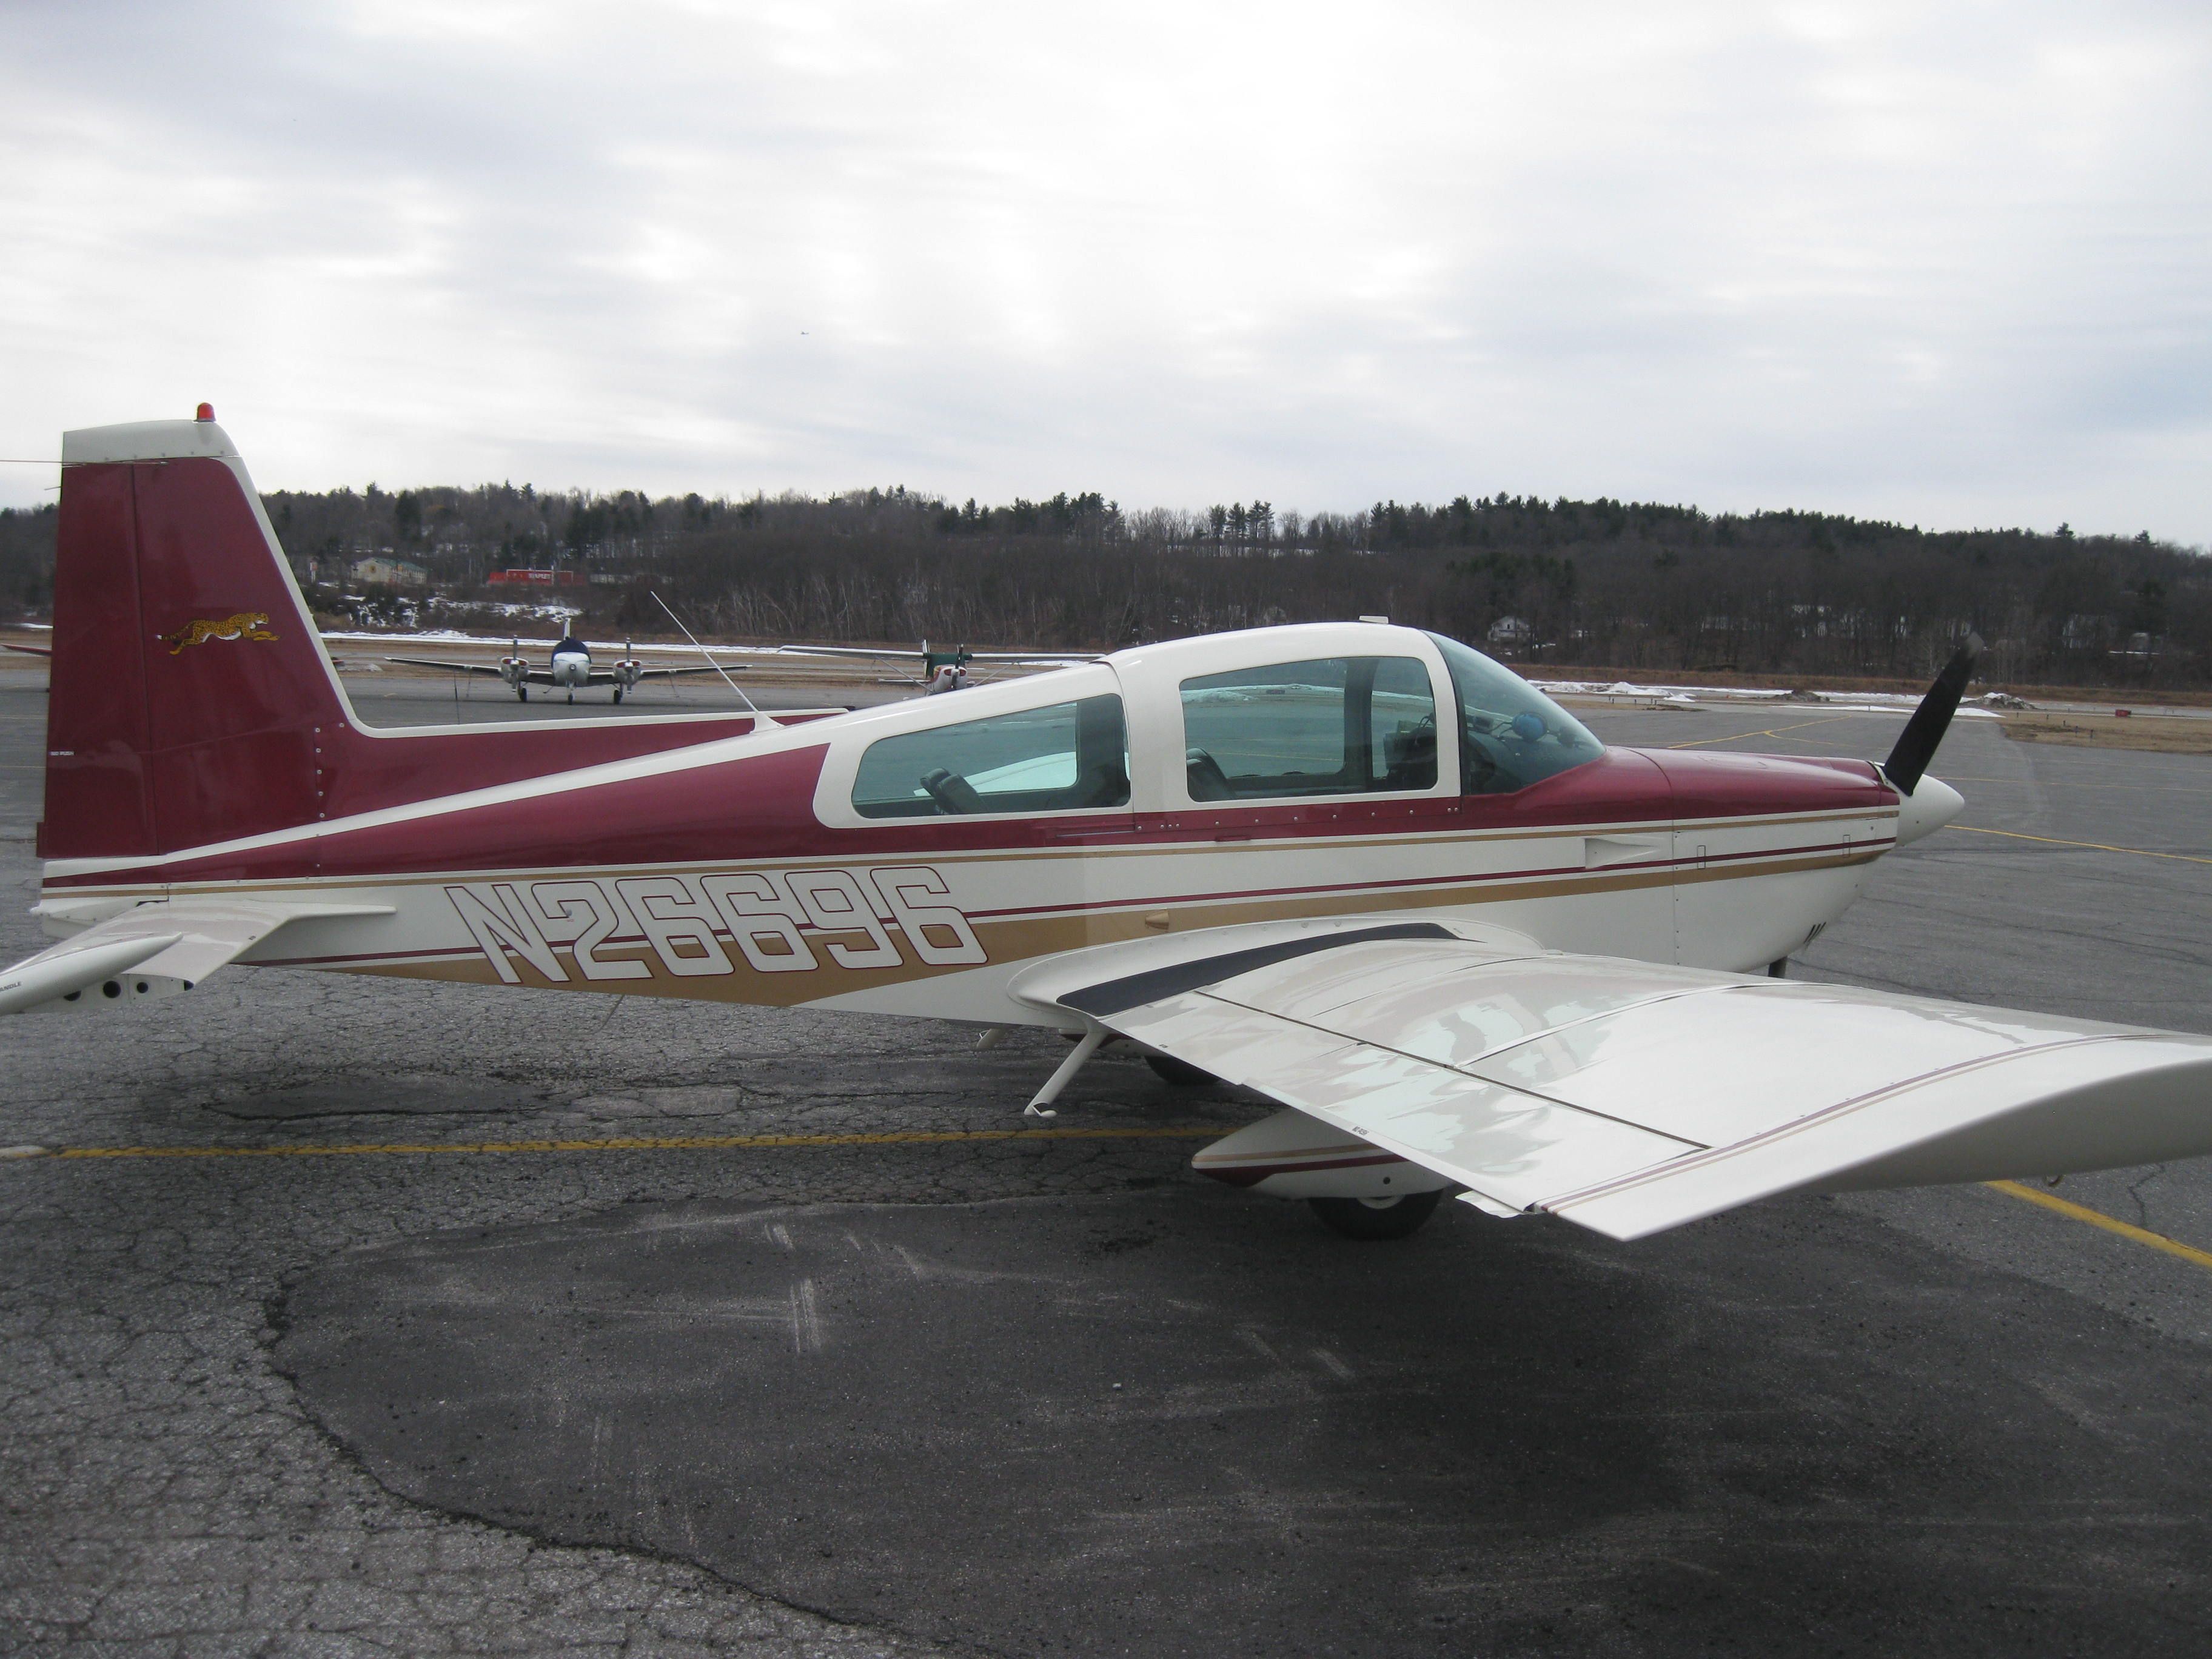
x=1181 y=1073
x=1376 y=1218
x=522 y=694
x=572 y=697
x=618 y=691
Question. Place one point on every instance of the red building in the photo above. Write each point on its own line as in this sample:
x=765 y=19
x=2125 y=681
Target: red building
x=541 y=578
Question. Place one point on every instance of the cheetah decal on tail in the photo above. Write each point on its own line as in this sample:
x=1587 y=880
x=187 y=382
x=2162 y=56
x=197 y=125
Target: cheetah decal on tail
x=245 y=625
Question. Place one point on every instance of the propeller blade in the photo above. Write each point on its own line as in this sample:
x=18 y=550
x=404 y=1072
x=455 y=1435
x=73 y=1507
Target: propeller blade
x=1916 y=744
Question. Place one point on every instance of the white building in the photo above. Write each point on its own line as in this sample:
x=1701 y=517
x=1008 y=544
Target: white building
x=378 y=571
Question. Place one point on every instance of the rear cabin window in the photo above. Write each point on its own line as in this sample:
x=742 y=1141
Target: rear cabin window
x=1332 y=726
x=1060 y=759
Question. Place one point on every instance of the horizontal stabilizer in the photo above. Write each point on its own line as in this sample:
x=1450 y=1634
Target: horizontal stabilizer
x=149 y=950
x=68 y=972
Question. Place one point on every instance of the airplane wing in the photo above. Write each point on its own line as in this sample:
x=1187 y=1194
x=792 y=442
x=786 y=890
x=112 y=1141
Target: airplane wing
x=911 y=654
x=29 y=650
x=1625 y=1096
x=457 y=667
x=156 y=949
x=670 y=673
x=905 y=655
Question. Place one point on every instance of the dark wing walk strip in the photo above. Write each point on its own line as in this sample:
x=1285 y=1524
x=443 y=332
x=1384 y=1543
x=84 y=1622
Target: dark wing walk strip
x=1115 y=996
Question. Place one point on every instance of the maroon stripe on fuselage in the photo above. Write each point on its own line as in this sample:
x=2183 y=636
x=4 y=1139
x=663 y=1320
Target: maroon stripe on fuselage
x=369 y=773
x=761 y=807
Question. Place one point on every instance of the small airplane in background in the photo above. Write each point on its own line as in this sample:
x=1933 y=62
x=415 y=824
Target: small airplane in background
x=944 y=671
x=569 y=664
x=947 y=670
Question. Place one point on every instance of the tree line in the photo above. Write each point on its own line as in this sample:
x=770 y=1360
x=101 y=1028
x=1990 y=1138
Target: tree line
x=1638 y=586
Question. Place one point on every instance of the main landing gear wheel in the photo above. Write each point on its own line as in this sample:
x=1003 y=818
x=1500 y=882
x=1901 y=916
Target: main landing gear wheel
x=1376 y=1218
x=522 y=694
x=618 y=691
x=1181 y=1073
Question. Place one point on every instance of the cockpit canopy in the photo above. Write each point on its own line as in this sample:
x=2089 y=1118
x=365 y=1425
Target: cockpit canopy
x=1239 y=719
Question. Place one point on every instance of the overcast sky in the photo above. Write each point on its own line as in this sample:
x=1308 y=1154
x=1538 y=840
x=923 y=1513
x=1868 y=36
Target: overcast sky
x=1947 y=263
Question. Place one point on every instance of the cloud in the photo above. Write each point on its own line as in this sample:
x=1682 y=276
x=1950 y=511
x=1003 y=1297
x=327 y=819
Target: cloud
x=1938 y=263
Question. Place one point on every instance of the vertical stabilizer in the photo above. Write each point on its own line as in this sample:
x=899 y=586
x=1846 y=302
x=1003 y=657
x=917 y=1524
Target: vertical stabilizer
x=191 y=696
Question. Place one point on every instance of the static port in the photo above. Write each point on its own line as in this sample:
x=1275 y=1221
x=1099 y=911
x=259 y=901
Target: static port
x=143 y=987
x=112 y=988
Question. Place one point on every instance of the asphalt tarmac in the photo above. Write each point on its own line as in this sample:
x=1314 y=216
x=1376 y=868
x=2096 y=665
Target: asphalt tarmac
x=866 y=1373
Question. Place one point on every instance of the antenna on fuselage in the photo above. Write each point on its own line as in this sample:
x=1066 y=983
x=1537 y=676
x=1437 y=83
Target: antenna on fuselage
x=758 y=713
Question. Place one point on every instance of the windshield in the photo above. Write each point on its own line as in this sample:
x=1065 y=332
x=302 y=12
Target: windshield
x=1511 y=734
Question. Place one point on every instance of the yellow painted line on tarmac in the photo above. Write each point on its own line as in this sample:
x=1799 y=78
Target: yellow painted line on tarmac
x=2091 y=846
x=2101 y=788
x=640 y=1143
x=2110 y=1224
x=1770 y=732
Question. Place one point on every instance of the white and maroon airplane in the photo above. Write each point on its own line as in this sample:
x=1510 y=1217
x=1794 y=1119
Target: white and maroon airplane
x=1360 y=869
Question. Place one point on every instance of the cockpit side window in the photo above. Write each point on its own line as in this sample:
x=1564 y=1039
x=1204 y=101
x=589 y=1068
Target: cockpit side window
x=1331 y=726
x=1060 y=759
x=1511 y=734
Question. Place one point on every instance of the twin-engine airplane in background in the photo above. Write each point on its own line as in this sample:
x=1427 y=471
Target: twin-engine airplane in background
x=568 y=664
x=1360 y=869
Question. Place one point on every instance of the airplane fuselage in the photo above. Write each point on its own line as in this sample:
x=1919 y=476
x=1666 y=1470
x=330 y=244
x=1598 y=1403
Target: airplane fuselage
x=570 y=664
x=742 y=870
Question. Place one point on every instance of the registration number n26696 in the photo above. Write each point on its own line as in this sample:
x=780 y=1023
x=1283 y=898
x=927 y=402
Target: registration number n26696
x=775 y=921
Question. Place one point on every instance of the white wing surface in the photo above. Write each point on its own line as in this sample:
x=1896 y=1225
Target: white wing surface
x=1630 y=1097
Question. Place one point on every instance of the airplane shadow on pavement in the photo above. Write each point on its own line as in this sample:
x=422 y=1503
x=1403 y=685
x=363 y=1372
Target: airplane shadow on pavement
x=1189 y=1421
